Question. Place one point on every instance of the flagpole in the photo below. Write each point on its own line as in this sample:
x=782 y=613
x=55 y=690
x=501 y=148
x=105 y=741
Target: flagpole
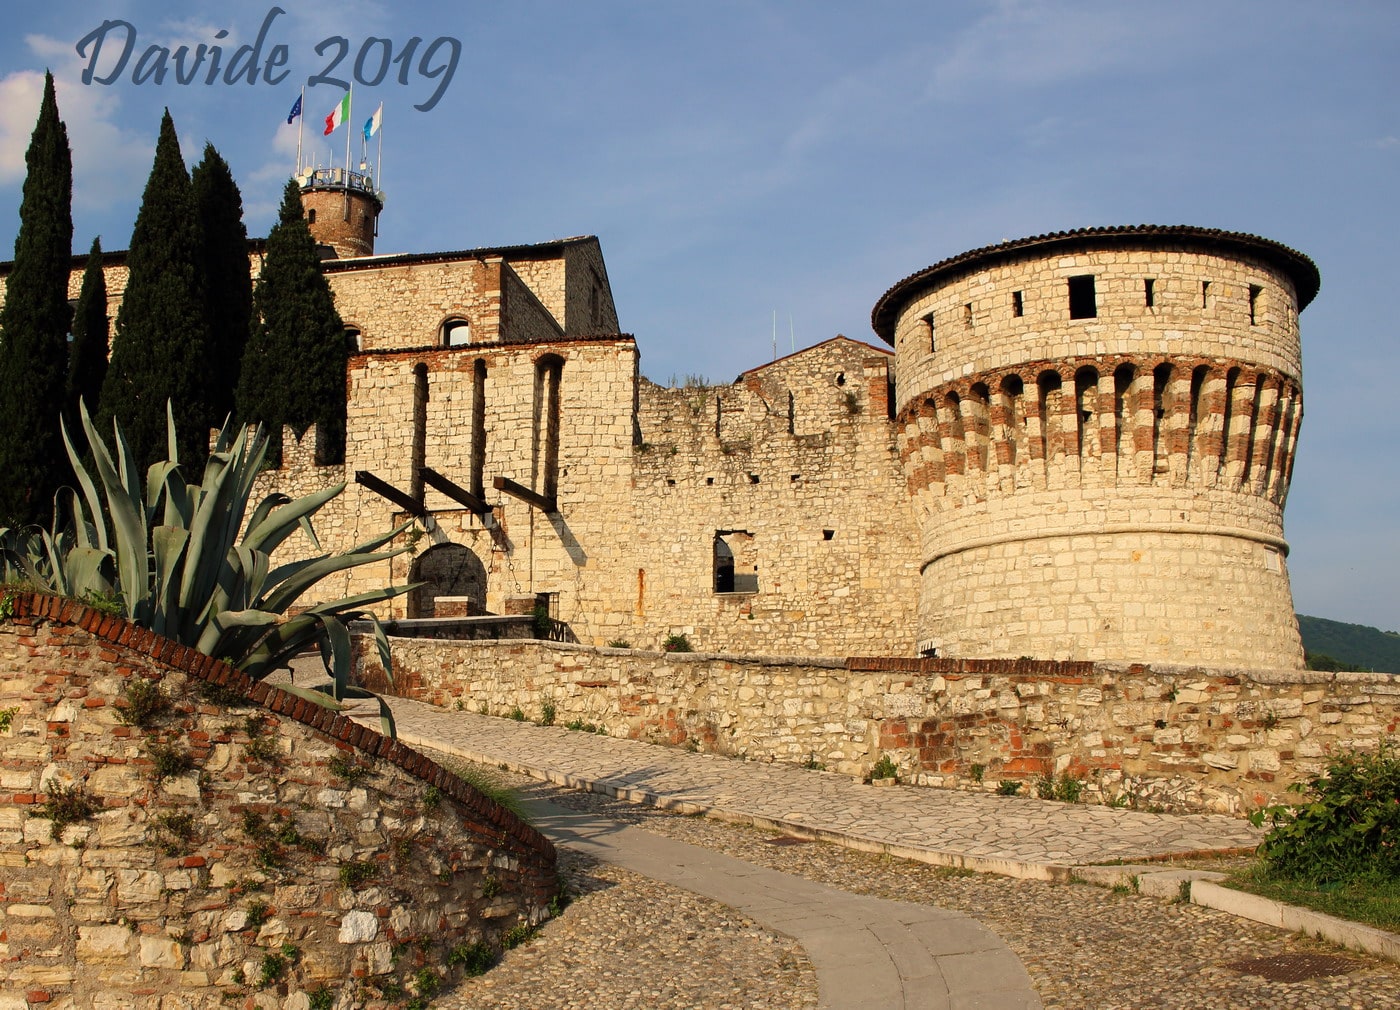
x=301 y=120
x=349 y=125
x=379 y=158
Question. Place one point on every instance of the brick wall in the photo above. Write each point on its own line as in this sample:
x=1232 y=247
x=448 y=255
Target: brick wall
x=173 y=890
x=1176 y=737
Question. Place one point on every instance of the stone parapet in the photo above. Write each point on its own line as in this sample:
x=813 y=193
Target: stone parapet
x=1176 y=737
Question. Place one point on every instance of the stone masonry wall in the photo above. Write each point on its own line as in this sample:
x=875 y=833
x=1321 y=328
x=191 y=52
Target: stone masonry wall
x=242 y=845
x=1109 y=487
x=794 y=465
x=1175 y=737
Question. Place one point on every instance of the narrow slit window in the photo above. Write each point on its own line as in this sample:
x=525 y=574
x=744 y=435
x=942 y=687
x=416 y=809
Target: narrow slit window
x=1083 y=301
x=1148 y=294
x=967 y=315
x=932 y=336
x=1254 y=292
x=1205 y=294
x=1018 y=305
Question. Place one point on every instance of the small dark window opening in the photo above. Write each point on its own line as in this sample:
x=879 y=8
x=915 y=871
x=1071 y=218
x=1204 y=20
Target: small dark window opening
x=1254 y=292
x=352 y=340
x=734 y=567
x=311 y=216
x=840 y=378
x=709 y=482
x=670 y=482
x=753 y=478
x=1083 y=303
x=967 y=314
x=828 y=534
x=1018 y=307
x=795 y=478
x=932 y=337
x=1147 y=293
x=1205 y=294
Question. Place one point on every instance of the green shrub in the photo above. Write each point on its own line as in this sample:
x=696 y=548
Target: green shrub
x=357 y=872
x=547 y=713
x=1347 y=827
x=676 y=643
x=884 y=768
x=65 y=805
x=1008 y=787
x=475 y=958
x=145 y=703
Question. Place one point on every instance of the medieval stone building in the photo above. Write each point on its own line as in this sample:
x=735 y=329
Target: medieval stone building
x=1079 y=448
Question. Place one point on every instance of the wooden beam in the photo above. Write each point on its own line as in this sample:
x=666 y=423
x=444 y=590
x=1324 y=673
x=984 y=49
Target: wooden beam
x=393 y=494
x=522 y=492
x=453 y=490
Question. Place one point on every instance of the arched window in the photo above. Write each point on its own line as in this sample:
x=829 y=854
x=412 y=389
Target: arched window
x=353 y=340
x=455 y=332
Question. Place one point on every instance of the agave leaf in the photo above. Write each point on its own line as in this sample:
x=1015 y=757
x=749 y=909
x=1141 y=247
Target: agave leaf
x=320 y=694
x=386 y=717
x=128 y=523
x=275 y=527
x=85 y=575
x=168 y=545
x=335 y=652
x=291 y=589
x=85 y=483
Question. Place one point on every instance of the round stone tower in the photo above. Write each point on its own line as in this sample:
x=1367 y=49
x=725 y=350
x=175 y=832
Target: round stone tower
x=1098 y=430
x=342 y=210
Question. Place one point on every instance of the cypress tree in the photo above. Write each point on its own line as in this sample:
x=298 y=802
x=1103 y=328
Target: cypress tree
x=161 y=342
x=228 y=295
x=294 y=366
x=87 y=361
x=34 y=327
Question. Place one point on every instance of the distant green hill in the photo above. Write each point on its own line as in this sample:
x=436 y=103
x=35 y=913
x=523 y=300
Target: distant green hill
x=1355 y=645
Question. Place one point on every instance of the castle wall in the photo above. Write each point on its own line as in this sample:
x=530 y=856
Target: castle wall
x=218 y=833
x=794 y=466
x=1109 y=486
x=405 y=305
x=1176 y=737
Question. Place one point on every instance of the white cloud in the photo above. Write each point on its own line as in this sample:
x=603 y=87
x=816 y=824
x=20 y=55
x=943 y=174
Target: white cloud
x=109 y=162
x=1023 y=44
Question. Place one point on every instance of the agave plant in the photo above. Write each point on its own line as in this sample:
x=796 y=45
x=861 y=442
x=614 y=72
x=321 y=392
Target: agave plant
x=193 y=562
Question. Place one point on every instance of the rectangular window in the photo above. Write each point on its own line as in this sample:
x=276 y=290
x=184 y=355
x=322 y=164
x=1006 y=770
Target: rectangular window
x=735 y=567
x=1205 y=294
x=1147 y=293
x=932 y=339
x=1083 y=303
x=1018 y=305
x=967 y=314
x=1254 y=292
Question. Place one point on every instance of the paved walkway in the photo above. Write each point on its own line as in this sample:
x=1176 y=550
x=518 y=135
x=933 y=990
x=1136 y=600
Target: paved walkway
x=869 y=953
x=1017 y=836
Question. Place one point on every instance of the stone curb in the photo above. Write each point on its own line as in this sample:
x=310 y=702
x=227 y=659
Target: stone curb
x=1021 y=869
x=1205 y=890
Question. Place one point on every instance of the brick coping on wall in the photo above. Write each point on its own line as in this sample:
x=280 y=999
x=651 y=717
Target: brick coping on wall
x=191 y=662
x=1069 y=670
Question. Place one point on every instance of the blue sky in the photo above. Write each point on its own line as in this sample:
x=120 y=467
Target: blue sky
x=740 y=157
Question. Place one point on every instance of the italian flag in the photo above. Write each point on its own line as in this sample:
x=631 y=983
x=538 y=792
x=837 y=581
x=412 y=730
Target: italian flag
x=339 y=115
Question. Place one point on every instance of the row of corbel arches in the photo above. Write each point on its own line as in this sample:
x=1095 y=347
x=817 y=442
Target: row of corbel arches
x=1110 y=422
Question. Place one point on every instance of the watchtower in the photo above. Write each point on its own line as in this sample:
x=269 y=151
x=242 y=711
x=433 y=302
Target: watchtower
x=1098 y=430
x=342 y=210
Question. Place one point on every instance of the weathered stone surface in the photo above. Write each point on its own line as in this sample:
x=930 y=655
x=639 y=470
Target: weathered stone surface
x=166 y=893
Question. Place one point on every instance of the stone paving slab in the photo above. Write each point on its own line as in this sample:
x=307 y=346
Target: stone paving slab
x=1017 y=836
x=868 y=953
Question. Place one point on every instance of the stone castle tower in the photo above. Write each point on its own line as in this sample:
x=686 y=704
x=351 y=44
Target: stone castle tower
x=342 y=210
x=1098 y=430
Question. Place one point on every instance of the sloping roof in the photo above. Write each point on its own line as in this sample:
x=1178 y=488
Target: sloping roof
x=1299 y=268
x=840 y=337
